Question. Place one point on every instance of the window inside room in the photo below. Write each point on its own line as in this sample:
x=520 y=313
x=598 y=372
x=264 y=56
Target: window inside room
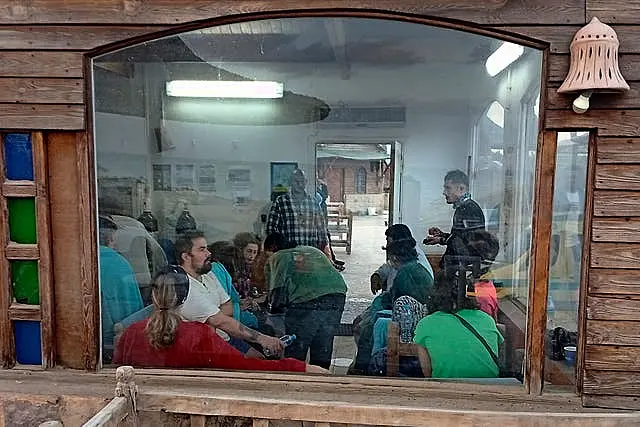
x=206 y=147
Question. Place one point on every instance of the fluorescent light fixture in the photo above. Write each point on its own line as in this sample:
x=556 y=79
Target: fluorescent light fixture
x=225 y=89
x=495 y=113
x=506 y=54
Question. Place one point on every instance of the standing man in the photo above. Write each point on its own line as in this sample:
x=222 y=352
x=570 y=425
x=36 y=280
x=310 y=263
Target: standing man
x=304 y=286
x=297 y=216
x=207 y=302
x=468 y=218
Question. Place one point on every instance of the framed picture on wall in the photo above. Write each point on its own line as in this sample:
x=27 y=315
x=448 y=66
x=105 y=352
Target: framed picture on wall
x=281 y=177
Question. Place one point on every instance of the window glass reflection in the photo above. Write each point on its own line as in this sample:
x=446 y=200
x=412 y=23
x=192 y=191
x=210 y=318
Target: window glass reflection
x=352 y=194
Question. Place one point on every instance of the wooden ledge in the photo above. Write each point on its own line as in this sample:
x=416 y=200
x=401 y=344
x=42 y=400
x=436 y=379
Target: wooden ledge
x=25 y=312
x=22 y=251
x=19 y=189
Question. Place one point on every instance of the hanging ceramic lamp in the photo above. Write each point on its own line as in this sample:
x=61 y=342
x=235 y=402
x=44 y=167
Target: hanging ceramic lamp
x=594 y=64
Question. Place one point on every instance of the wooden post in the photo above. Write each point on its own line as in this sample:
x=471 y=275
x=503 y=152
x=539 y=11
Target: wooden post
x=7 y=343
x=539 y=262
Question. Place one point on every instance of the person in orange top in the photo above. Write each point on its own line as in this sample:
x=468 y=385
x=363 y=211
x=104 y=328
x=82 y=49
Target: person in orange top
x=165 y=340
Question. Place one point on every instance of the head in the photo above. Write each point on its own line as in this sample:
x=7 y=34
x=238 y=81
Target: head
x=275 y=242
x=249 y=245
x=397 y=232
x=456 y=183
x=298 y=182
x=226 y=254
x=401 y=251
x=107 y=231
x=170 y=288
x=192 y=253
x=444 y=294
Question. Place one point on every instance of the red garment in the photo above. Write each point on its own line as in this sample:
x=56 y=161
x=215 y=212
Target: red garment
x=487 y=297
x=196 y=346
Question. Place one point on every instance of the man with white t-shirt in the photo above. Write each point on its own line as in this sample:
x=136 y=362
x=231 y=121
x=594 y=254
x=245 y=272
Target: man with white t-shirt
x=207 y=302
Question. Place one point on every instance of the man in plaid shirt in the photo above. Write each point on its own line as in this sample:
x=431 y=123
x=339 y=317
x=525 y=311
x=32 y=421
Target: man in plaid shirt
x=297 y=215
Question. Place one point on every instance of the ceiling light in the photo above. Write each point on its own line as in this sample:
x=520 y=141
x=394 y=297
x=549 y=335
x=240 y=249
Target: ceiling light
x=503 y=57
x=225 y=89
x=495 y=113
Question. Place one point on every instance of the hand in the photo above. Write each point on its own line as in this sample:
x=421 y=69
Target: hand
x=432 y=240
x=312 y=369
x=273 y=345
x=435 y=231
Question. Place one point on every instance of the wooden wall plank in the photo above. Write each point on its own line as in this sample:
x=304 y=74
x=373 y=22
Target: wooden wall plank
x=618 y=177
x=614 y=11
x=617 y=402
x=42 y=116
x=168 y=12
x=603 y=332
x=41 y=90
x=40 y=64
x=608 y=122
x=618 y=150
x=612 y=358
x=66 y=253
x=599 y=101
x=67 y=38
x=629 y=65
x=613 y=309
x=616 y=203
x=539 y=262
x=616 y=282
x=616 y=230
x=612 y=383
x=615 y=255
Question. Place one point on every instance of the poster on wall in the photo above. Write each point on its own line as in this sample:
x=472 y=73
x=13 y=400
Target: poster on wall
x=207 y=179
x=281 y=177
x=239 y=183
x=185 y=177
x=162 y=177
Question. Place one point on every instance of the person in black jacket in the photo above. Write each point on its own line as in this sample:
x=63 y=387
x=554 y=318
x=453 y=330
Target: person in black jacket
x=468 y=222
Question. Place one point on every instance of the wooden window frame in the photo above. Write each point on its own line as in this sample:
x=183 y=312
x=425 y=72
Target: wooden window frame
x=40 y=251
x=545 y=171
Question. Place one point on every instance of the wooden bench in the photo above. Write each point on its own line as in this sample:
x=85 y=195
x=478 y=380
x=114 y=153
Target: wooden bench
x=339 y=225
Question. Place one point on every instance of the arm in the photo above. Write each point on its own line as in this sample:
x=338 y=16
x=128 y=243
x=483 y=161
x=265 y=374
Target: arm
x=227 y=308
x=425 y=360
x=238 y=330
x=273 y=220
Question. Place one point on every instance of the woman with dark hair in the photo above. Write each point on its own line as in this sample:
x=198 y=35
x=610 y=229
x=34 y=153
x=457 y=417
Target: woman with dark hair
x=248 y=248
x=458 y=340
x=165 y=340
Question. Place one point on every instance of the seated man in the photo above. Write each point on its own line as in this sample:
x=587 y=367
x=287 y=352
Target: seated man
x=305 y=287
x=207 y=302
x=119 y=292
x=458 y=340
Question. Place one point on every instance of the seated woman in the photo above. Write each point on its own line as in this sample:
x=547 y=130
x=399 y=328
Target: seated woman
x=411 y=279
x=165 y=340
x=224 y=266
x=248 y=247
x=448 y=345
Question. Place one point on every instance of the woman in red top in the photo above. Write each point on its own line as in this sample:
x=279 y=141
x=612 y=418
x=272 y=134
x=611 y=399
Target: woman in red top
x=165 y=340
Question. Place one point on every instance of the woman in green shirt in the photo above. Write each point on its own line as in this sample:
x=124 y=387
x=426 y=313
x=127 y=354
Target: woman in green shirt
x=449 y=349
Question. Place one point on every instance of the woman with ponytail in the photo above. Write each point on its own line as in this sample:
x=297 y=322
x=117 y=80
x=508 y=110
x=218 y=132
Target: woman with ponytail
x=165 y=340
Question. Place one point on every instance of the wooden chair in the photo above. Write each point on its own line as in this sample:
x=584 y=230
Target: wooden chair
x=340 y=225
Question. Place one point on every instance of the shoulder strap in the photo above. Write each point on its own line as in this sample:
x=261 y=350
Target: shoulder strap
x=482 y=340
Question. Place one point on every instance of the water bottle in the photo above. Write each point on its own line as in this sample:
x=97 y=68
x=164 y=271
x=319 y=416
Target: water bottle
x=287 y=340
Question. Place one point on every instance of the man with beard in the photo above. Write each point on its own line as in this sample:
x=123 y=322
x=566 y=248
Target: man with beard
x=207 y=302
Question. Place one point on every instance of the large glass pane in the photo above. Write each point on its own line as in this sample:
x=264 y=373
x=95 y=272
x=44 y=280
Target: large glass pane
x=22 y=220
x=566 y=256
x=28 y=342
x=322 y=129
x=18 y=154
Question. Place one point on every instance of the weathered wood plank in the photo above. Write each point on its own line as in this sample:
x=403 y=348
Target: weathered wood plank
x=67 y=37
x=22 y=251
x=24 y=312
x=616 y=203
x=618 y=177
x=19 y=189
x=614 y=11
x=42 y=116
x=605 y=281
x=629 y=65
x=41 y=90
x=200 y=420
x=613 y=309
x=616 y=383
x=40 y=64
x=599 y=101
x=618 y=150
x=608 y=122
x=539 y=262
x=615 y=255
x=617 y=402
x=613 y=333
x=258 y=422
x=612 y=358
x=112 y=415
x=168 y=12
x=7 y=341
x=616 y=230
